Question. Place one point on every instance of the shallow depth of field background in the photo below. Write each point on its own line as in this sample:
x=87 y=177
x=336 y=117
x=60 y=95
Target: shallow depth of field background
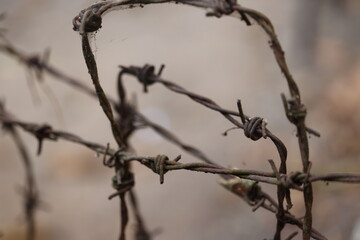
x=219 y=58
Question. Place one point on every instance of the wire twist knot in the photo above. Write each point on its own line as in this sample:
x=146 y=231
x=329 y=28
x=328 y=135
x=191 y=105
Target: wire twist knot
x=88 y=20
x=158 y=165
x=292 y=180
x=294 y=111
x=146 y=74
x=254 y=128
x=224 y=8
x=122 y=185
x=41 y=133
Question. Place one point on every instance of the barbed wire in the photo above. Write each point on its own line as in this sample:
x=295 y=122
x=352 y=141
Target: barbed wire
x=257 y=200
x=160 y=165
x=89 y=20
x=46 y=132
x=243 y=183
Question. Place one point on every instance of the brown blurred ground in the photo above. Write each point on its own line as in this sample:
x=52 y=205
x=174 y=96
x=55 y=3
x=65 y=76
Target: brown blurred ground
x=219 y=58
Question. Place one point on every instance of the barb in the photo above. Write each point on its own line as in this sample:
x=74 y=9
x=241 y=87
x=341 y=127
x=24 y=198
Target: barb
x=54 y=135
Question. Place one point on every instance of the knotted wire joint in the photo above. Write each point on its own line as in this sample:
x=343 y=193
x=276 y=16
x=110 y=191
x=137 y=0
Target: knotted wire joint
x=88 y=20
x=227 y=7
x=292 y=180
x=41 y=133
x=222 y=8
x=146 y=74
x=122 y=186
x=110 y=162
x=254 y=128
x=294 y=112
x=158 y=165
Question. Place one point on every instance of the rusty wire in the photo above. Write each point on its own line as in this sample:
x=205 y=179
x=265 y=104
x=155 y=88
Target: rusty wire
x=289 y=180
x=241 y=182
x=44 y=132
x=90 y=20
x=254 y=128
x=292 y=180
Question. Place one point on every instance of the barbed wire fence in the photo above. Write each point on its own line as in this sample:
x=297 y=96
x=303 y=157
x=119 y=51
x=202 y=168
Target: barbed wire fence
x=244 y=183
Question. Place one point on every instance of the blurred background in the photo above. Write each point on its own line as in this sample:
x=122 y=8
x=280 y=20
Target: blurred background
x=219 y=58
